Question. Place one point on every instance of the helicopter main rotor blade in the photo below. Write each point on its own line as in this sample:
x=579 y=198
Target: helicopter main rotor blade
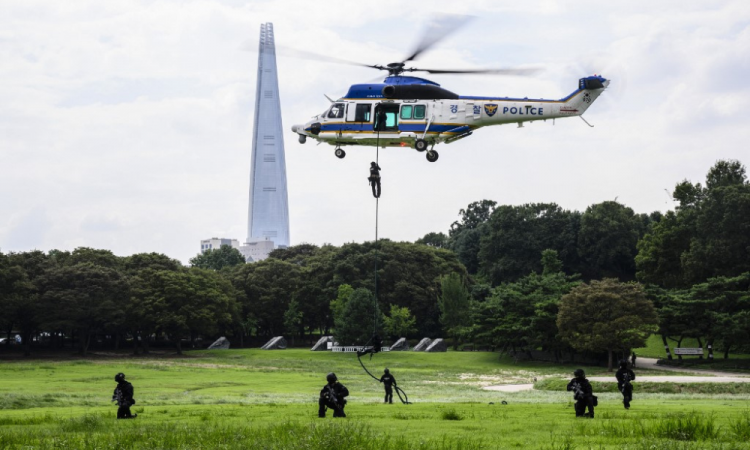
x=304 y=54
x=439 y=27
x=517 y=72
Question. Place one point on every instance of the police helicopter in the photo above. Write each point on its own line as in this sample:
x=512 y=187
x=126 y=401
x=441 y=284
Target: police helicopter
x=408 y=111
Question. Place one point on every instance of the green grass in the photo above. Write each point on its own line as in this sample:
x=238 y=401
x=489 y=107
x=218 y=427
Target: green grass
x=268 y=400
x=645 y=387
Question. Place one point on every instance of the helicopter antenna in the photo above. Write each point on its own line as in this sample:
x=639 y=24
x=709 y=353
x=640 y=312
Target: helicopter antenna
x=586 y=122
x=329 y=98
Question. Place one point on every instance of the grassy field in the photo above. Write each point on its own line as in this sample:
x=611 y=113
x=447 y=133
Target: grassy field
x=268 y=399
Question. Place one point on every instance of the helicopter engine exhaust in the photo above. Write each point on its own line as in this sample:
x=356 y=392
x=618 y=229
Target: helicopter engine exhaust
x=389 y=91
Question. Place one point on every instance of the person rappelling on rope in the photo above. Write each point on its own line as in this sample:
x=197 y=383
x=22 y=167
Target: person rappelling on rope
x=377 y=343
x=374 y=179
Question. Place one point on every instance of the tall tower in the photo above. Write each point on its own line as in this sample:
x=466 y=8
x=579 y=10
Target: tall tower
x=268 y=216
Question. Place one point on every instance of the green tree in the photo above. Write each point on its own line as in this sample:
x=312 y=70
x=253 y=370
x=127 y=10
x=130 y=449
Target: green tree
x=409 y=275
x=155 y=261
x=399 y=323
x=83 y=297
x=522 y=315
x=455 y=307
x=360 y=318
x=607 y=241
x=437 y=240
x=217 y=259
x=265 y=290
x=517 y=235
x=293 y=320
x=465 y=235
x=706 y=237
x=339 y=303
x=606 y=315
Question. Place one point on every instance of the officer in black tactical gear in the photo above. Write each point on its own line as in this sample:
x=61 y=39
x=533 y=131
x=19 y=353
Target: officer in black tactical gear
x=388 y=381
x=374 y=179
x=583 y=394
x=123 y=395
x=377 y=344
x=624 y=376
x=332 y=396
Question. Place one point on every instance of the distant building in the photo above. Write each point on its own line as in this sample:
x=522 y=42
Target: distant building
x=217 y=243
x=257 y=249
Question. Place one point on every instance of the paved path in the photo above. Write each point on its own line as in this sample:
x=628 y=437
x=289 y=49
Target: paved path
x=650 y=363
x=647 y=364
x=678 y=379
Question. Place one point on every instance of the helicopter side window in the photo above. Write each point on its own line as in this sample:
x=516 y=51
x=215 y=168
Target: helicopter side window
x=337 y=111
x=362 y=113
x=419 y=111
x=406 y=111
x=390 y=119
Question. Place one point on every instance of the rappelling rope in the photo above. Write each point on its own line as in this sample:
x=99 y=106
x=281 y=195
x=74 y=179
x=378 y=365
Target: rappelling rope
x=401 y=394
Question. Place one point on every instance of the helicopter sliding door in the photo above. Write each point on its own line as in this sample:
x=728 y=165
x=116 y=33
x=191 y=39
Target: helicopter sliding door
x=386 y=117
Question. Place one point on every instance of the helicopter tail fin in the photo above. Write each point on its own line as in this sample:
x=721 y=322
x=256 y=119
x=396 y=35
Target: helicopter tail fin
x=589 y=89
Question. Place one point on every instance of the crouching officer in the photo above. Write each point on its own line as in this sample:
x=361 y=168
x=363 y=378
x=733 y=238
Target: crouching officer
x=624 y=376
x=332 y=396
x=388 y=382
x=583 y=394
x=123 y=395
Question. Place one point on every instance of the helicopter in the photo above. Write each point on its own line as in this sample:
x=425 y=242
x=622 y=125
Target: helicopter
x=414 y=112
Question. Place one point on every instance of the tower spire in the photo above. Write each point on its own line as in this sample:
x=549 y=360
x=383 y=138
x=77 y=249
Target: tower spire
x=268 y=212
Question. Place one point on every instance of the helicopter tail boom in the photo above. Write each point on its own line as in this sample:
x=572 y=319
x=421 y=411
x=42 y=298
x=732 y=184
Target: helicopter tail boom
x=589 y=89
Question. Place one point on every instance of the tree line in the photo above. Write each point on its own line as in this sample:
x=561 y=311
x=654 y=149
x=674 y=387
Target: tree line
x=515 y=277
x=691 y=264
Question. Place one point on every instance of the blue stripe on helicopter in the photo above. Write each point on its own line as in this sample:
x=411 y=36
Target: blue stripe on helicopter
x=404 y=127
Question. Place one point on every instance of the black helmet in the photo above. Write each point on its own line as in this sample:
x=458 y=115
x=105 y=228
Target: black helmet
x=331 y=377
x=624 y=363
x=120 y=377
x=579 y=373
x=386 y=370
x=373 y=164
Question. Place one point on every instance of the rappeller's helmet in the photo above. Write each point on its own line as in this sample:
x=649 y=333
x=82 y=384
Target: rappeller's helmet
x=579 y=373
x=624 y=364
x=387 y=371
x=331 y=377
x=120 y=377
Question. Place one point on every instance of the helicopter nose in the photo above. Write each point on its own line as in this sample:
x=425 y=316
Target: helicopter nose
x=295 y=128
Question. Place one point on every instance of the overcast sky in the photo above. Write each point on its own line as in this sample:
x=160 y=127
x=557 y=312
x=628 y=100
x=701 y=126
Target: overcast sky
x=127 y=125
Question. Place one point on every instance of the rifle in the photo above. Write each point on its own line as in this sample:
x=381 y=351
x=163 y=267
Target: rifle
x=330 y=395
x=118 y=397
x=577 y=391
x=626 y=382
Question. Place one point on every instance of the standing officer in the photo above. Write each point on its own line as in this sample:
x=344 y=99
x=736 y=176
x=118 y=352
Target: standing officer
x=583 y=394
x=388 y=382
x=123 y=395
x=332 y=396
x=624 y=376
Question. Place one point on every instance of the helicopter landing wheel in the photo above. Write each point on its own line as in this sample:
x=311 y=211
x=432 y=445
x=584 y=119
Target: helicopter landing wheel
x=432 y=156
x=420 y=145
x=339 y=153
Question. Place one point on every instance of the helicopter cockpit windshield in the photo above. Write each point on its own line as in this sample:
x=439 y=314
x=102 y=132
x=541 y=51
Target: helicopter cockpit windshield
x=336 y=111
